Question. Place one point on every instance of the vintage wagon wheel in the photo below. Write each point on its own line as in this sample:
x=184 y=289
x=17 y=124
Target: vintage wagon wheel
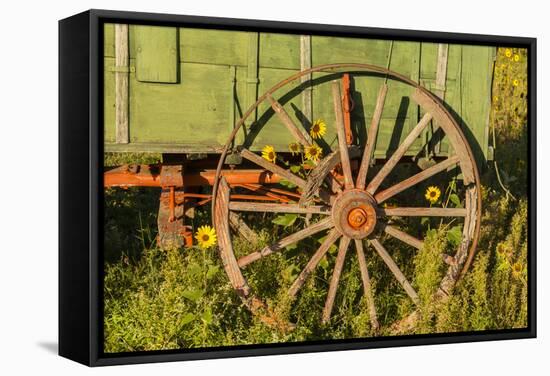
x=352 y=212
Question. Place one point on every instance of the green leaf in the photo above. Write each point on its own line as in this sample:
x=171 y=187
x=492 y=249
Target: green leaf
x=285 y=220
x=295 y=169
x=207 y=316
x=187 y=318
x=212 y=271
x=286 y=183
x=193 y=295
x=424 y=220
x=454 y=235
x=455 y=200
x=324 y=263
x=290 y=273
x=291 y=247
x=309 y=163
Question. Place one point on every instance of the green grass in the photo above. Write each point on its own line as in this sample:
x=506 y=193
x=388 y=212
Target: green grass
x=181 y=298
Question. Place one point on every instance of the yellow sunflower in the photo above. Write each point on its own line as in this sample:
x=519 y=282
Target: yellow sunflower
x=517 y=269
x=508 y=52
x=432 y=194
x=313 y=152
x=515 y=82
x=516 y=57
x=318 y=129
x=268 y=153
x=294 y=148
x=206 y=236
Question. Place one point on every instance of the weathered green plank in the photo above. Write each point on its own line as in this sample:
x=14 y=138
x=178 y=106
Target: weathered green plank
x=109 y=40
x=330 y=50
x=196 y=113
x=156 y=53
x=476 y=96
x=192 y=112
x=213 y=47
x=280 y=51
x=109 y=100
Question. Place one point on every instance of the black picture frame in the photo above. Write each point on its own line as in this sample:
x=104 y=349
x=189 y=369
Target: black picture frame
x=80 y=187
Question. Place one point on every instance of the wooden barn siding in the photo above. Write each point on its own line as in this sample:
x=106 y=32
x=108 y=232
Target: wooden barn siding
x=194 y=114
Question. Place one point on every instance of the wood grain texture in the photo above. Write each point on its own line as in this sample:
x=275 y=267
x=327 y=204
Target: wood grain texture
x=342 y=144
x=305 y=63
x=313 y=262
x=390 y=164
x=424 y=212
x=415 y=179
x=367 y=287
x=221 y=224
x=239 y=226
x=335 y=279
x=371 y=137
x=388 y=260
x=277 y=208
x=403 y=236
x=122 y=60
x=286 y=241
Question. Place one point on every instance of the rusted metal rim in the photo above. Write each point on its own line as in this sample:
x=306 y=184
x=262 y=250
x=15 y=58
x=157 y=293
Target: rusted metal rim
x=342 y=68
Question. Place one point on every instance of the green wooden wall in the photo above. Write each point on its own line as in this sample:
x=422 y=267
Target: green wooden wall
x=187 y=87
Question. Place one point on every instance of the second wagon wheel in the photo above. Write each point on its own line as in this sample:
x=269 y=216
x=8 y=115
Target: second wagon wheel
x=343 y=196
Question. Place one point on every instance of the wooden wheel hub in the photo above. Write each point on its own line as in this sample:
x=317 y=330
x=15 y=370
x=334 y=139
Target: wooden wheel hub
x=354 y=213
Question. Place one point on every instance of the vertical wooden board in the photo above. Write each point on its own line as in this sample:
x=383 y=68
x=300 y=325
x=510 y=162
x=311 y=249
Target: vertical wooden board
x=156 y=52
x=428 y=59
x=280 y=51
x=453 y=94
x=476 y=99
x=241 y=105
x=109 y=40
x=194 y=112
x=108 y=101
x=207 y=46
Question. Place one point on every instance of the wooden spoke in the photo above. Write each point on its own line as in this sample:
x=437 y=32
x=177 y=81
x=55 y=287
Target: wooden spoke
x=401 y=150
x=322 y=171
x=242 y=228
x=273 y=168
x=285 y=242
x=403 y=236
x=415 y=179
x=395 y=269
x=338 y=266
x=277 y=208
x=221 y=224
x=371 y=137
x=343 y=147
x=316 y=176
x=302 y=137
x=332 y=236
x=367 y=288
x=424 y=212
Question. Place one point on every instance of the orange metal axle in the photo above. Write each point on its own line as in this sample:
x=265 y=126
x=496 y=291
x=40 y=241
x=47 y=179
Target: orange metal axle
x=154 y=176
